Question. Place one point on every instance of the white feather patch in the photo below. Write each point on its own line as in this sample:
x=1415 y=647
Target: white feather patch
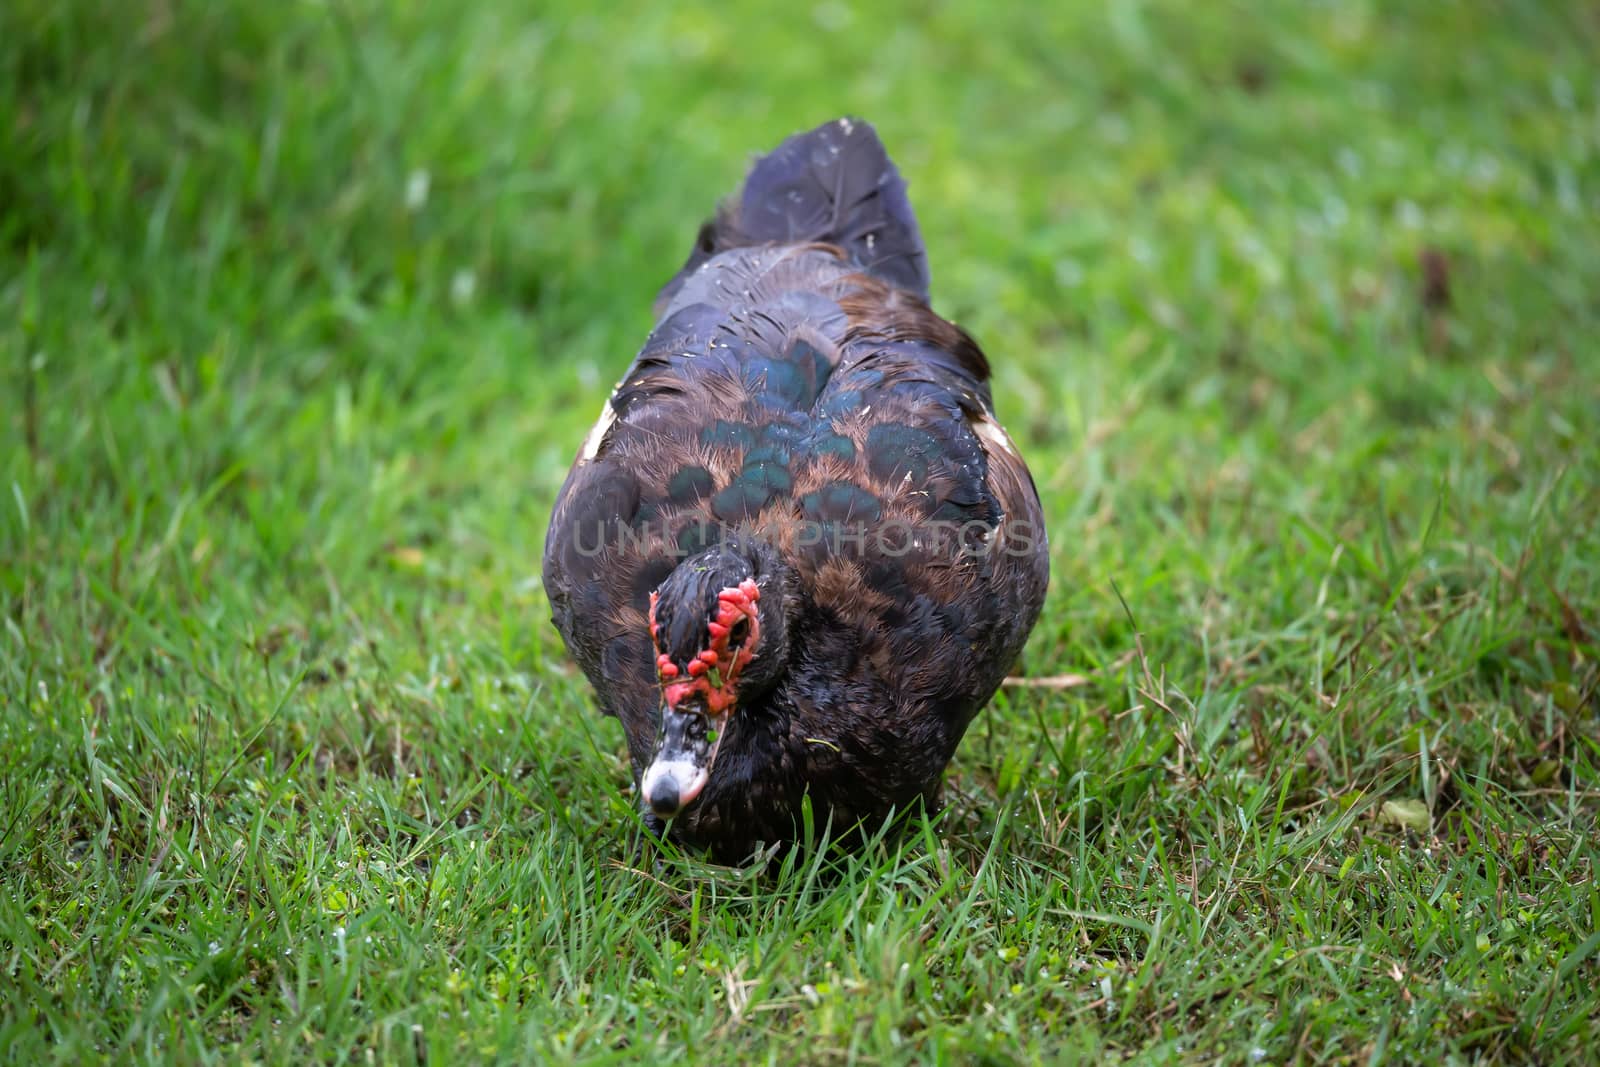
x=597 y=436
x=994 y=434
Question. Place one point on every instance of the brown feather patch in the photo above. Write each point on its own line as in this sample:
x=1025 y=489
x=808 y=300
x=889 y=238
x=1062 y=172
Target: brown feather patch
x=840 y=586
x=881 y=312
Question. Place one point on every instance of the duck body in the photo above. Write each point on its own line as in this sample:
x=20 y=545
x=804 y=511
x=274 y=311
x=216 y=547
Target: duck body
x=797 y=554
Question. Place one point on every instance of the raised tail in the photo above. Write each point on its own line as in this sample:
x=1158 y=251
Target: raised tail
x=834 y=184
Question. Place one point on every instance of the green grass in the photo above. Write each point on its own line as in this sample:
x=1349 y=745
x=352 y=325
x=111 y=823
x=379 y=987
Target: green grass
x=305 y=307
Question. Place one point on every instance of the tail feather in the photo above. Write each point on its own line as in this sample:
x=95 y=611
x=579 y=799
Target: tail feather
x=834 y=184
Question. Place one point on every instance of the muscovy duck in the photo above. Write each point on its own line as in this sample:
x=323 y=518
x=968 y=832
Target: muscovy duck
x=797 y=553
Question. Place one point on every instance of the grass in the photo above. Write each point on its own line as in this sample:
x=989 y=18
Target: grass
x=305 y=307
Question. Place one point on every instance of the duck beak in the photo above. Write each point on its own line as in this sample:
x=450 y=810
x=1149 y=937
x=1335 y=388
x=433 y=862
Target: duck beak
x=685 y=747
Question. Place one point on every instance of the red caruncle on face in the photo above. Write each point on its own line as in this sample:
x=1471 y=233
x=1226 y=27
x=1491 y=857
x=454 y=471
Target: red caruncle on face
x=712 y=676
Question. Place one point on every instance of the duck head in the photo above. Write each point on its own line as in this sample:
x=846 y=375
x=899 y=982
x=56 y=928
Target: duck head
x=720 y=629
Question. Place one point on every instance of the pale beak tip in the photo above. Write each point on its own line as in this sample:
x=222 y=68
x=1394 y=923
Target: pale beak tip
x=670 y=786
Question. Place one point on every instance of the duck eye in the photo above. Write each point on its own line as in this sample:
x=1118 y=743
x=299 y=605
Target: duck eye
x=739 y=631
